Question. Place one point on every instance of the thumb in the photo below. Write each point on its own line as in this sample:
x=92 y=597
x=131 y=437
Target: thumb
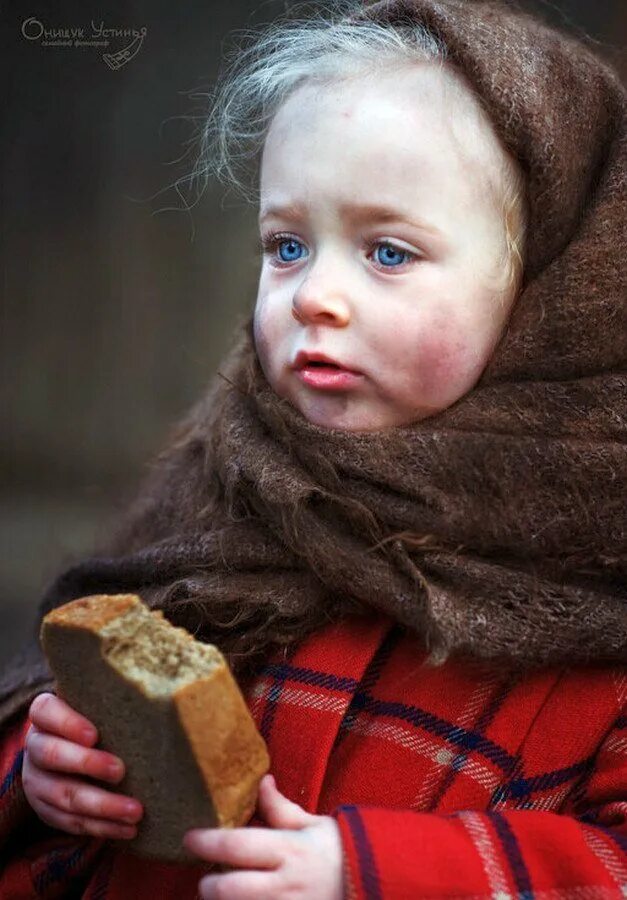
x=277 y=810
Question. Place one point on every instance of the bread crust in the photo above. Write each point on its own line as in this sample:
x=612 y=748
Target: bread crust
x=192 y=752
x=92 y=612
x=232 y=760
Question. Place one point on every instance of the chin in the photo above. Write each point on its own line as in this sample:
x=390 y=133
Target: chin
x=365 y=421
x=340 y=419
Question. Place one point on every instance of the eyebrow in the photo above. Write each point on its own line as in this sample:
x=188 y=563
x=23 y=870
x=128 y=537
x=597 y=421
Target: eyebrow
x=356 y=213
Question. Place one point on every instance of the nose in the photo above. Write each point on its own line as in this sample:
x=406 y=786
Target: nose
x=316 y=302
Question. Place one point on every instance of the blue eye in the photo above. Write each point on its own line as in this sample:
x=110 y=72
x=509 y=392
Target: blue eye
x=388 y=255
x=290 y=250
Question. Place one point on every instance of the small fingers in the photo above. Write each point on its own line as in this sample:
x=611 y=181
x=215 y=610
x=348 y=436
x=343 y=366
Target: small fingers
x=240 y=885
x=56 y=754
x=71 y=796
x=52 y=714
x=75 y=824
x=249 y=847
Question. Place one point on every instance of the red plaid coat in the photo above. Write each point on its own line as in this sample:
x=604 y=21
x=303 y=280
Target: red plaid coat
x=458 y=782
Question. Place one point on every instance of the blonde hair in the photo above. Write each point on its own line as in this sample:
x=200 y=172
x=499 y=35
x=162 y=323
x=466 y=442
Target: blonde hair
x=515 y=218
x=268 y=64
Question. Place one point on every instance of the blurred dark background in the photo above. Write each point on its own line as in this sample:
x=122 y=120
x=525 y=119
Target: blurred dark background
x=116 y=303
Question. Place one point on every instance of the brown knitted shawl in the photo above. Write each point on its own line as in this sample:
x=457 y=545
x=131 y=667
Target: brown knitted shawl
x=495 y=528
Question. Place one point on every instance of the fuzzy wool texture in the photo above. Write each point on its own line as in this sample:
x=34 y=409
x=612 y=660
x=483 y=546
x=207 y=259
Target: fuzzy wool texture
x=495 y=528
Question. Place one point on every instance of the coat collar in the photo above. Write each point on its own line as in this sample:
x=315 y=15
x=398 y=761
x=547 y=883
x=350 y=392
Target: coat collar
x=312 y=685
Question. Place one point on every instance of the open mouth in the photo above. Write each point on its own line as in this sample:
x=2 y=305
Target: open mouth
x=323 y=375
x=318 y=364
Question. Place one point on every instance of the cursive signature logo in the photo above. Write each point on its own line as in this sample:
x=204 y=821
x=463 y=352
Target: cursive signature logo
x=96 y=36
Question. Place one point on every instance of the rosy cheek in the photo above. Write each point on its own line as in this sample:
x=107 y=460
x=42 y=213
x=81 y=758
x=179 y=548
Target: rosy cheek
x=447 y=367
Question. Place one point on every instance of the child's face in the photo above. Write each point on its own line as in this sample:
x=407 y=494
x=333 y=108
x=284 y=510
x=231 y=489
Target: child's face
x=410 y=299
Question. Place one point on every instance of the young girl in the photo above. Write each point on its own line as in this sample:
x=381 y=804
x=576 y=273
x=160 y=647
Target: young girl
x=400 y=511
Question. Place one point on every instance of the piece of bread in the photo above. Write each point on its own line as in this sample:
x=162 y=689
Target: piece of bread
x=169 y=707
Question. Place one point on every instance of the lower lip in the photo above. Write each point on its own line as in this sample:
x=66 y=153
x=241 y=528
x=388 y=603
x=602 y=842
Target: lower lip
x=328 y=379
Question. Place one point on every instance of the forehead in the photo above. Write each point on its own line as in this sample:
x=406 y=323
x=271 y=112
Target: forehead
x=418 y=119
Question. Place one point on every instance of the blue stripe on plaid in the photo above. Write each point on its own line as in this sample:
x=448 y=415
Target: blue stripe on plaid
x=464 y=738
x=269 y=712
x=621 y=722
x=369 y=679
x=589 y=818
x=12 y=774
x=522 y=788
x=283 y=672
x=61 y=865
x=280 y=673
x=367 y=866
x=614 y=835
x=494 y=704
x=513 y=855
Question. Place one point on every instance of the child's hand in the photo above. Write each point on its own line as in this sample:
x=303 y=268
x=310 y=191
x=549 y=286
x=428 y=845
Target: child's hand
x=58 y=741
x=301 y=859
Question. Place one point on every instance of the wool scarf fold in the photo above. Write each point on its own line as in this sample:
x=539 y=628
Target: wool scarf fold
x=495 y=528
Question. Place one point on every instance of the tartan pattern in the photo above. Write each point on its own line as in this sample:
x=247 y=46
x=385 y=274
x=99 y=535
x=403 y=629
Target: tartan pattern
x=68 y=860
x=14 y=808
x=462 y=781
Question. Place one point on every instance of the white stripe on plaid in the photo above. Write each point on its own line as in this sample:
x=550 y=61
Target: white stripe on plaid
x=620 y=683
x=583 y=892
x=476 y=702
x=607 y=854
x=617 y=743
x=307 y=699
x=429 y=746
x=476 y=827
x=551 y=801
